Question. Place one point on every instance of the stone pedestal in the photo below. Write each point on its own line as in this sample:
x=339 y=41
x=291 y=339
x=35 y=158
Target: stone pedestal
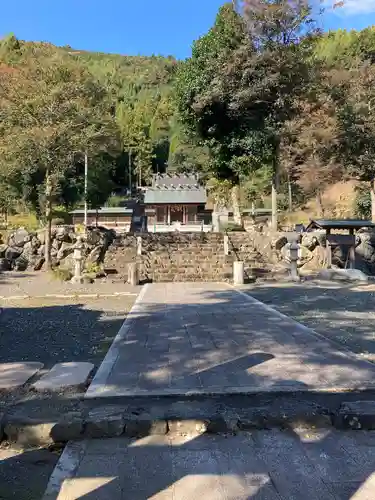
x=238 y=273
x=133 y=275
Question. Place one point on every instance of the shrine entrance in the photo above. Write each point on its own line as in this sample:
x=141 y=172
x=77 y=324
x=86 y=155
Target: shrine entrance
x=176 y=214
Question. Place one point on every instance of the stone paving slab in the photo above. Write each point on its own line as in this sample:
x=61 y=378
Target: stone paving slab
x=13 y=375
x=209 y=338
x=264 y=465
x=64 y=376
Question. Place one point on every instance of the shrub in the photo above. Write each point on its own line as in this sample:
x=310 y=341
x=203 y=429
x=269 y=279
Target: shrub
x=93 y=268
x=231 y=227
x=61 y=274
x=362 y=203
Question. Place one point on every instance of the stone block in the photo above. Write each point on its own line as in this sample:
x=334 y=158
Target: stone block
x=68 y=428
x=343 y=275
x=222 y=424
x=13 y=375
x=193 y=426
x=27 y=432
x=359 y=415
x=107 y=421
x=145 y=426
x=64 y=376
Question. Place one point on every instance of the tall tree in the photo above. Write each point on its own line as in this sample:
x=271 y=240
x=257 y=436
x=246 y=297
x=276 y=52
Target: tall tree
x=241 y=85
x=355 y=94
x=281 y=32
x=309 y=146
x=51 y=110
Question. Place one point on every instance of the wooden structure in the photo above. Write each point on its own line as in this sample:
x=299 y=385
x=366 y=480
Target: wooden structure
x=339 y=239
x=118 y=218
x=174 y=199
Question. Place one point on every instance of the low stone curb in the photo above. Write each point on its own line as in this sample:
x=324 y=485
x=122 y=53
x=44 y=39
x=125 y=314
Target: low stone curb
x=114 y=421
x=68 y=296
x=106 y=421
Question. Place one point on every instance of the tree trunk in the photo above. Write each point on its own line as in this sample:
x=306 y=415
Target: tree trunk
x=274 y=205
x=319 y=204
x=96 y=217
x=48 y=242
x=236 y=205
x=290 y=194
x=372 y=191
x=275 y=185
x=130 y=171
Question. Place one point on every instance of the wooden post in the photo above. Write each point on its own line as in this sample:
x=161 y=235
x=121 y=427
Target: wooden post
x=352 y=251
x=329 y=255
x=328 y=250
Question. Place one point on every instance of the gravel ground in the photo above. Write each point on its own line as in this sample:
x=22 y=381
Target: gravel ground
x=39 y=283
x=24 y=474
x=343 y=313
x=57 y=330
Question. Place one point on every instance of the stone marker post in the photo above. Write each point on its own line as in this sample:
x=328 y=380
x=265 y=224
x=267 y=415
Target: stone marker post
x=238 y=273
x=78 y=259
x=226 y=244
x=133 y=276
x=139 y=245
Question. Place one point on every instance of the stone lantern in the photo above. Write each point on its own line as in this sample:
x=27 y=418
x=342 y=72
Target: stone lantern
x=293 y=258
x=78 y=260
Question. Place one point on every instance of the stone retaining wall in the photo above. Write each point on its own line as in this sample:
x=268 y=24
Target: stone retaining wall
x=183 y=256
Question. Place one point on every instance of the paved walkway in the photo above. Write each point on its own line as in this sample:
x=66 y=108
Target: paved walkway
x=204 y=338
x=266 y=465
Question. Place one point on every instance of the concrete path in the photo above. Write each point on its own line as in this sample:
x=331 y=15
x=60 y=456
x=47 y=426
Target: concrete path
x=207 y=338
x=266 y=465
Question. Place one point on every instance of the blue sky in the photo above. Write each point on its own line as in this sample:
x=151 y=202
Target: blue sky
x=133 y=27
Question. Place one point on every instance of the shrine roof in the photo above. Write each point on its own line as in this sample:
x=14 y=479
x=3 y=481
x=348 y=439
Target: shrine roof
x=338 y=224
x=172 y=189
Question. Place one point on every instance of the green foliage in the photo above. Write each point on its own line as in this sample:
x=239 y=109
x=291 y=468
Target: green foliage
x=93 y=269
x=341 y=47
x=362 y=203
x=240 y=87
x=264 y=99
x=115 y=201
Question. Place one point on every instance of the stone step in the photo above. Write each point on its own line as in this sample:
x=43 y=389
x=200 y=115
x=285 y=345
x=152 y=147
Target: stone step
x=65 y=376
x=14 y=375
x=48 y=421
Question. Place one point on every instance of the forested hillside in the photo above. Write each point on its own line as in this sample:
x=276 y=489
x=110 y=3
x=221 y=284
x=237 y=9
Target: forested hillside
x=267 y=104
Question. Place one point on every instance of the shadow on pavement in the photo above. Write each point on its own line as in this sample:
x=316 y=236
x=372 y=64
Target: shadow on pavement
x=307 y=476
x=264 y=465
